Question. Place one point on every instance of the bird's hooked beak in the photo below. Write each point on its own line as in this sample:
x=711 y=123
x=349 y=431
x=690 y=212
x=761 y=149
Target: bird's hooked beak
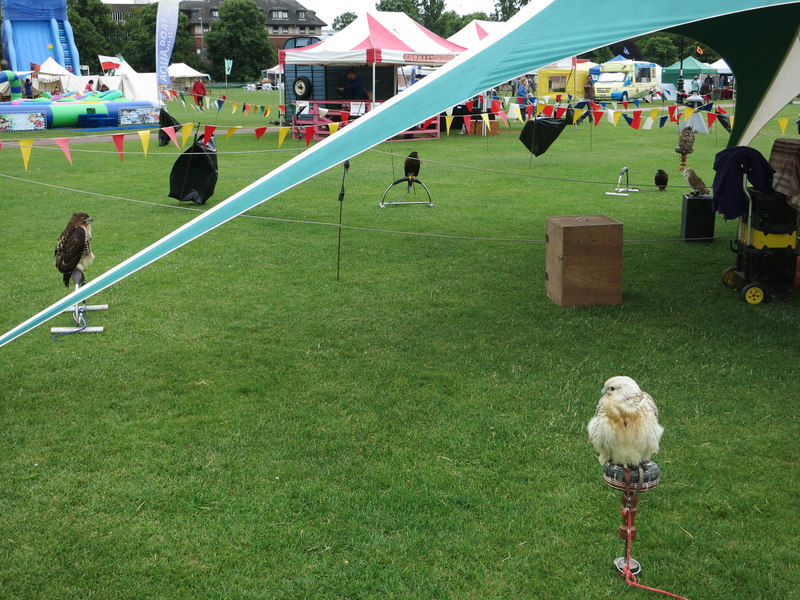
x=603 y=392
x=88 y=220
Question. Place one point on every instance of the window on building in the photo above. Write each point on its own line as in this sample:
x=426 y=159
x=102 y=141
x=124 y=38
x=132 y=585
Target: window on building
x=285 y=30
x=279 y=14
x=312 y=30
x=274 y=29
x=302 y=28
x=301 y=15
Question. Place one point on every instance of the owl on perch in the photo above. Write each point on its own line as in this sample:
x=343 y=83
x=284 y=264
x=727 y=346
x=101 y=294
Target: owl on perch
x=625 y=428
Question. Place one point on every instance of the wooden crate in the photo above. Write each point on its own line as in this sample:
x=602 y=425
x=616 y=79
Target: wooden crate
x=584 y=260
x=477 y=126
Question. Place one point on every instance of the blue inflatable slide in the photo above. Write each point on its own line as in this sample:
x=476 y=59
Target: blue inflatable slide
x=33 y=31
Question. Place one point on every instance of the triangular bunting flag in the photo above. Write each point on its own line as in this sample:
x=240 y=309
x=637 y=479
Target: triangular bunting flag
x=427 y=123
x=119 y=140
x=529 y=109
x=636 y=103
x=663 y=121
x=63 y=143
x=654 y=113
x=469 y=105
x=627 y=118
x=231 y=130
x=145 y=137
x=448 y=120
x=637 y=119
x=560 y=111
x=333 y=127
x=731 y=122
x=782 y=123
x=610 y=116
x=170 y=131
x=267 y=110
x=246 y=109
x=615 y=114
x=467 y=123
x=282 y=108
x=25 y=147
x=648 y=124
x=625 y=104
x=558 y=98
x=497 y=106
x=345 y=116
x=711 y=118
x=689 y=112
x=540 y=108
x=309 y=134
x=513 y=111
x=282 y=131
x=721 y=110
x=672 y=109
x=208 y=131
x=502 y=115
x=186 y=129
x=485 y=118
x=708 y=106
x=597 y=114
x=260 y=131
x=234 y=106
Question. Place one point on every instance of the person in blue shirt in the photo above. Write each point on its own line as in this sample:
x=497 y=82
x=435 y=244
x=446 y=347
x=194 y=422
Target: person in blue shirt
x=522 y=91
x=353 y=89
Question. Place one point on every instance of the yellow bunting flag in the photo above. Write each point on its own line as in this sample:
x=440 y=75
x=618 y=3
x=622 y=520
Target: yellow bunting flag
x=186 y=130
x=333 y=127
x=782 y=123
x=234 y=106
x=689 y=112
x=485 y=117
x=513 y=111
x=63 y=143
x=575 y=116
x=282 y=135
x=731 y=121
x=145 y=137
x=231 y=130
x=267 y=110
x=448 y=120
x=654 y=113
x=539 y=108
x=615 y=115
x=25 y=147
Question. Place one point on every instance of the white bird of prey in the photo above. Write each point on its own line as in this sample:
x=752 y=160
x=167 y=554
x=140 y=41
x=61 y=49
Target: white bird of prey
x=625 y=429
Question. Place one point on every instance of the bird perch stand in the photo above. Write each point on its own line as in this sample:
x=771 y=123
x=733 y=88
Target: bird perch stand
x=411 y=182
x=78 y=313
x=622 y=191
x=683 y=154
x=631 y=482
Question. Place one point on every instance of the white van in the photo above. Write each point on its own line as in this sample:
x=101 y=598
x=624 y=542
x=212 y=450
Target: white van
x=626 y=79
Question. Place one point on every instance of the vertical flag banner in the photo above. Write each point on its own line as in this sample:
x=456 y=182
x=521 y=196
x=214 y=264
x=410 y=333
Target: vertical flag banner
x=228 y=66
x=166 y=27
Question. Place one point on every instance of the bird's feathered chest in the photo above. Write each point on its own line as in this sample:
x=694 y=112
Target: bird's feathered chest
x=74 y=246
x=621 y=417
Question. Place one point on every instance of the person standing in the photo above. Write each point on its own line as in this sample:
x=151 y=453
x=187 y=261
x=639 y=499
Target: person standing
x=199 y=92
x=28 y=88
x=353 y=89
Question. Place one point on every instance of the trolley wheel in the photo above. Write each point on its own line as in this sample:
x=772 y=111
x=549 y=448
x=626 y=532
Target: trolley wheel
x=753 y=293
x=728 y=277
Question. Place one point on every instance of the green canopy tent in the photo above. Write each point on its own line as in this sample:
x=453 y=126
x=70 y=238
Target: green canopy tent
x=759 y=39
x=691 y=68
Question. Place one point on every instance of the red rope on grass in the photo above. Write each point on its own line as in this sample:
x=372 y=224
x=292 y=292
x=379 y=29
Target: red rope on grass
x=630 y=578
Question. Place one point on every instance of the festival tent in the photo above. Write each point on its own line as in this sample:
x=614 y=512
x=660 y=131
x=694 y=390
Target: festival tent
x=759 y=39
x=722 y=67
x=51 y=75
x=596 y=70
x=183 y=75
x=473 y=32
x=563 y=77
x=691 y=67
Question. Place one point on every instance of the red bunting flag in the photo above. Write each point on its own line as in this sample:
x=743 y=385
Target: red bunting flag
x=467 y=123
x=208 y=131
x=720 y=110
x=529 y=110
x=282 y=108
x=711 y=118
x=119 y=140
x=309 y=134
x=637 y=119
x=625 y=104
x=547 y=111
x=246 y=108
x=558 y=98
x=427 y=123
x=672 y=110
x=170 y=131
x=260 y=131
x=63 y=143
x=496 y=106
x=560 y=111
x=469 y=106
x=502 y=115
x=597 y=114
x=345 y=117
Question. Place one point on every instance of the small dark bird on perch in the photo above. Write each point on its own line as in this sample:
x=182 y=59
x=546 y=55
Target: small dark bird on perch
x=74 y=249
x=661 y=180
x=412 y=164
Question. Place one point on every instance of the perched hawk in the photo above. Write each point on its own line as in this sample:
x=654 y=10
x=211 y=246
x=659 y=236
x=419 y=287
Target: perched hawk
x=694 y=180
x=661 y=180
x=412 y=167
x=625 y=429
x=74 y=248
x=686 y=140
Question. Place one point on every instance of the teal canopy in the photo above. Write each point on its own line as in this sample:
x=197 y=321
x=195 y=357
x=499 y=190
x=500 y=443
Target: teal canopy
x=758 y=39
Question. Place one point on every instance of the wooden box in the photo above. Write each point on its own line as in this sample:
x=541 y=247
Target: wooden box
x=584 y=260
x=477 y=126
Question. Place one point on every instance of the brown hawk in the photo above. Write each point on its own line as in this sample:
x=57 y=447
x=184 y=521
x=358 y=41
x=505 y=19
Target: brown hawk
x=411 y=166
x=74 y=249
x=625 y=429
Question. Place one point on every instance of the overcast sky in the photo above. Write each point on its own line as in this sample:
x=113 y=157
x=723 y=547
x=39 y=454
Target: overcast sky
x=328 y=10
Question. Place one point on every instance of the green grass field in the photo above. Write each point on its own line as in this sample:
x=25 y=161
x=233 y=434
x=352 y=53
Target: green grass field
x=248 y=426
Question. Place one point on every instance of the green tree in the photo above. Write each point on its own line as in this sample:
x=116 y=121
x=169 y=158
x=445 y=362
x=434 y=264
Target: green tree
x=139 y=50
x=410 y=7
x=94 y=30
x=430 y=15
x=659 y=49
x=240 y=35
x=505 y=9
x=343 y=20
